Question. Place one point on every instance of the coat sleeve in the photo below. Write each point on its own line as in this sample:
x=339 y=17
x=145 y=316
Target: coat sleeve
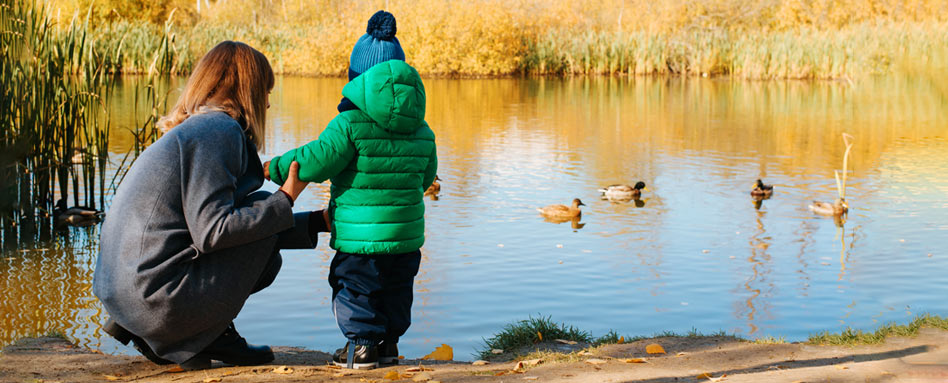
x=319 y=160
x=431 y=169
x=210 y=169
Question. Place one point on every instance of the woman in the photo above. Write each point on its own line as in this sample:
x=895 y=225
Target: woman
x=188 y=239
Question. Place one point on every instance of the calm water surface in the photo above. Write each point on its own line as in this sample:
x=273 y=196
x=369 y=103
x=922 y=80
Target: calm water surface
x=694 y=253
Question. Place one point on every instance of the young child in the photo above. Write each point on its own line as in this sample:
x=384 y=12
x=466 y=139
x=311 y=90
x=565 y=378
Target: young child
x=379 y=154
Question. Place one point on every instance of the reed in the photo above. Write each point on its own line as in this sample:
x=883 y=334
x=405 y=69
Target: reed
x=773 y=39
x=54 y=123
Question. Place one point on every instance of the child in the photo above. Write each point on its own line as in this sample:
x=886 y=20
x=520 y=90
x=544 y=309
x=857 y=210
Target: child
x=380 y=155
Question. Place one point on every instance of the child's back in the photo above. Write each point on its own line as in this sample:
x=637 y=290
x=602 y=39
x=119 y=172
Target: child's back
x=380 y=156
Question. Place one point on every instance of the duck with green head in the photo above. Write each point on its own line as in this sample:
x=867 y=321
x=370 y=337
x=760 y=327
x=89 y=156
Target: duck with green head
x=627 y=192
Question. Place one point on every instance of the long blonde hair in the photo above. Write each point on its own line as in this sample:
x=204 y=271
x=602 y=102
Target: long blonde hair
x=232 y=78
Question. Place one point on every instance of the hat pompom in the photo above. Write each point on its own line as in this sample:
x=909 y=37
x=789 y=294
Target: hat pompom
x=382 y=26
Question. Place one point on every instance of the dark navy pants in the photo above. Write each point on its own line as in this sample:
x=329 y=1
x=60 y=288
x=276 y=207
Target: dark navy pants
x=372 y=295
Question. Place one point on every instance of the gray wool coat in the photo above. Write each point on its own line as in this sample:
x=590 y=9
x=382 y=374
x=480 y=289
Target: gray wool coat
x=183 y=245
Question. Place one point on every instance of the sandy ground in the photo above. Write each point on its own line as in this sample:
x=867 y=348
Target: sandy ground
x=919 y=359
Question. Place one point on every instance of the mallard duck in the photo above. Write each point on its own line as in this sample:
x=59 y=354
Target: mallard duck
x=762 y=191
x=76 y=215
x=837 y=208
x=563 y=211
x=623 y=191
x=435 y=187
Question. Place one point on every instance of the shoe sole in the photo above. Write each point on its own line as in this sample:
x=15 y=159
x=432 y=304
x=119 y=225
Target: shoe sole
x=358 y=366
x=388 y=361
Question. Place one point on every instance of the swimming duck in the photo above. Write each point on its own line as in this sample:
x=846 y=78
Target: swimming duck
x=623 y=191
x=762 y=191
x=837 y=208
x=563 y=210
x=435 y=187
x=76 y=215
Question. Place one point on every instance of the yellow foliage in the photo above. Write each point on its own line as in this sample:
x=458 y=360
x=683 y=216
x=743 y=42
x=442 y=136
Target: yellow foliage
x=443 y=352
x=655 y=348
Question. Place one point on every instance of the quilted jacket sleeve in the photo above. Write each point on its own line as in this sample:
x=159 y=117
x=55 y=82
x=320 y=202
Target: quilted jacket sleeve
x=320 y=159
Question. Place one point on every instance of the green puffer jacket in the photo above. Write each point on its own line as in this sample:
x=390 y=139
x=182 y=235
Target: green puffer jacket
x=380 y=159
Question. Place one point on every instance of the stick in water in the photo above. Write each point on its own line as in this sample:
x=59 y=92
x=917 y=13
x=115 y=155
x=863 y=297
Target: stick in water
x=841 y=186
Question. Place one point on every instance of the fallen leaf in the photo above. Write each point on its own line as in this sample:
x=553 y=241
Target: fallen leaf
x=621 y=340
x=531 y=377
x=111 y=377
x=704 y=375
x=585 y=353
x=595 y=361
x=444 y=352
x=334 y=367
x=496 y=351
x=681 y=354
x=842 y=367
x=418 y=368
x=539 y=335
x=533 y=362
x=283 y=370
x=175 y=369
x=718 y=379
x=392 y=375
x=212 y=380
x=421 y=377
x=634 y=360
x=341 y=374
x=480 y=362
x=434 y=381
x=401 y=357
x=655 y=348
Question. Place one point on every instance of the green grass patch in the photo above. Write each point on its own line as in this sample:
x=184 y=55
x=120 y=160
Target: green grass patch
x=851 y=337
x=770 y=340
x=524 y=333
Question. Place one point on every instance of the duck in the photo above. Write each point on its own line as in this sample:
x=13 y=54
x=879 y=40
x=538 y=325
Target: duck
x=562 y=211
x=435 y=187
x=623 y=191
x=762 y=191
x=837 y=208
x=76 y=215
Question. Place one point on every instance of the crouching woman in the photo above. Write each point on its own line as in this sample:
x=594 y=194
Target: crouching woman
x=188 y=236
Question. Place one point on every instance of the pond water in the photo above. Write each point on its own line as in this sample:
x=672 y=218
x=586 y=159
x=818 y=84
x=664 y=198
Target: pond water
x=694 y=253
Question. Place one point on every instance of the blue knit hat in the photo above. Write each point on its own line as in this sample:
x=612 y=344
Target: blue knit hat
x=377 y=45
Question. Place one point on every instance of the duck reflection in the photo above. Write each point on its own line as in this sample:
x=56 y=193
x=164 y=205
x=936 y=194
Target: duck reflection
x=636 y=200
x=573 y=221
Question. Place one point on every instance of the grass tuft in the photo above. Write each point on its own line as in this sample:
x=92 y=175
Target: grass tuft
x=851 y=337
x=525 y=333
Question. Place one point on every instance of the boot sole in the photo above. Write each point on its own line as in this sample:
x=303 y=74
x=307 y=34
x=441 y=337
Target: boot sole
x=388 y=361
x=358 y=366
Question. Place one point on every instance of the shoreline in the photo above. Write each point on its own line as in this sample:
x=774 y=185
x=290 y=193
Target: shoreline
x=695 y=358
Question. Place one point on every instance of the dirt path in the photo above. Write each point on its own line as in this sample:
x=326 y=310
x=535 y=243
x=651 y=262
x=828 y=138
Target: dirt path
x=920 y=359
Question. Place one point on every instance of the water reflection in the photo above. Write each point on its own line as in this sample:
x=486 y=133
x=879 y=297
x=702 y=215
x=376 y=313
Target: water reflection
x=690 y=254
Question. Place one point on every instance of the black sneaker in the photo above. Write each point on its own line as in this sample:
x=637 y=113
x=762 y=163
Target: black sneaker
x=388 y=353
x=124 y=336
x=363 y=357
x=230 y=348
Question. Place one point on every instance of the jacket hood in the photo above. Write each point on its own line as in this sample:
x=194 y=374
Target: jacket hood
x=392 y=94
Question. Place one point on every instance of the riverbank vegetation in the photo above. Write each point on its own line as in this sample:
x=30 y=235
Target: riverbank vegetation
x=771 y=39
x=522 y=337
x=55 y=81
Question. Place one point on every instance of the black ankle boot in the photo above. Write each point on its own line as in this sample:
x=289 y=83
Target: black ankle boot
x=124 y=336
x=388 y=353
x=230 y=348
x=357 y=357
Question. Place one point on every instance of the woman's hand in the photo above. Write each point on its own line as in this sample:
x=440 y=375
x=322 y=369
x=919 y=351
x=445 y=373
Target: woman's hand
x=293 y=186
x=266 y=170
x=326 y=218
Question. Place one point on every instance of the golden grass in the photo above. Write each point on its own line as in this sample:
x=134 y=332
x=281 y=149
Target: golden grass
x=746 y=39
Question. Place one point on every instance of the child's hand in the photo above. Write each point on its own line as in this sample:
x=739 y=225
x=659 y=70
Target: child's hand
x=266 y=170
x=293 y=186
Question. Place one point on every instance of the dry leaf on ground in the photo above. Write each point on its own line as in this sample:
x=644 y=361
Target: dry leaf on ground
x=444 y=352
x=531 y=377
x=418 y=368
x=212 y=380
x=111 y=377
x=704 y=375
x=480 y=363
x=634 y=360
x=681 y=354
x=595 y=361
x=421 y=377
x=564 y=341
x=842 y=367
x=718 y=379
x=283 y=370
x=392 y=375
x=175 y=369
x=655 y=348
